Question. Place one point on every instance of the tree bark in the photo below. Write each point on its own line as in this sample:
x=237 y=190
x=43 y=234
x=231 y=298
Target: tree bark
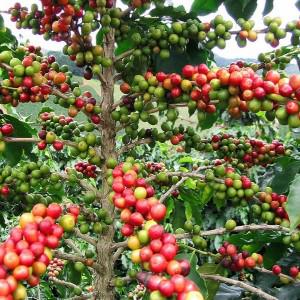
x=103 y=288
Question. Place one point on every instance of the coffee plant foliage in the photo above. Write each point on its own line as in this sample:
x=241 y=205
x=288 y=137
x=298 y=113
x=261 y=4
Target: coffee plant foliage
x=186 y=186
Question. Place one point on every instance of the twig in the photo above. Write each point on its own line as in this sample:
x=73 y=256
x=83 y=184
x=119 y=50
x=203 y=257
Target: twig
x=240 y=284
x=117 y=254
x=118 y=245
x=123 y=55
x=83 y=183
x=85 y=237
x=291 y=279
x=102 y=79
x=172 y=189
x=63 y=283
x=72 y=245
x=181 y=181
x=199 y=251
x=83 y=297
x=154 y=110
x=117 y=76
x=120 y=102
x=75 y=258
x=126 y=148
x=6 y=66
x=250 y=227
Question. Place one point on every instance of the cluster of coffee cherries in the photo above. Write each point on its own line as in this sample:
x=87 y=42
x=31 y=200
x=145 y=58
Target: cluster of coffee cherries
x=62 y=126
x=6 y=129
x=151 y=245
x=27 y=252
x=31 y=79
x=95 y=220
x=60 y=22
x=249 y=151
x=235 y=187
x=274 y=32
x=237 y=88
x=237 y=261
x=272 y=207
x=55 y=266
x=246 y=33
x=82 y=102
x=293 y=271
x=154 y=167
x=86 y=169
x=21 y=178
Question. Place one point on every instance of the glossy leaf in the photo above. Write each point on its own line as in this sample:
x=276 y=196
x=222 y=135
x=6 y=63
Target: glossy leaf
x=14 y=151
x=286 y=169
x=274 y=252
x=175 y=12
x=212 y=286
x=254 y=241
x=293 y=203
x=268 y=7
x=204 y=7
x=240 y=8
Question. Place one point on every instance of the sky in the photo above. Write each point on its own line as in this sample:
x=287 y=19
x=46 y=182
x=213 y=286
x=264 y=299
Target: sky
x=282 y=8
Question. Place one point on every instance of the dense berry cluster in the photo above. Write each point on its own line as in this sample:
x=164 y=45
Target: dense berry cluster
x=271 y=207
x=237 y=88
x=25 y=255
x=237 y=261
x=55 y=267
x=154 y=167
x=151 y=245
x=86 y=169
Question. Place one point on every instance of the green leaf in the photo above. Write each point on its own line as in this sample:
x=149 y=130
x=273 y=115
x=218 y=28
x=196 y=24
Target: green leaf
x=293 y=203
x=274 y=252
x=286 y=169
x=194 y=274
x=178 y=215
x=254 y=241
x=124 y=45
x=196 y=201
x=185 y=159
x=209 y=120
x=99 y=37
x=268 y=7
x=240 y=8
x=204 y=7
x=219 y=202
x=170 y=206
x=14 y=151
x=1 y=22
x=212 y=286
x=175 y=12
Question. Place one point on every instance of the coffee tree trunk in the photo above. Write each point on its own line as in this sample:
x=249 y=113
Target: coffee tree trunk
x=102 y=285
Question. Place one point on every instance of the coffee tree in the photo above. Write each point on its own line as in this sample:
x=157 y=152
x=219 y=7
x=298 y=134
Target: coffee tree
x=108 y=209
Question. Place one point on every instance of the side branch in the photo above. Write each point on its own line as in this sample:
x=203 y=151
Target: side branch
x=128 y=147
x=85 y=237
x=253 y=227
x=124 y=54
x=240 y=284
x=75 y=258
x=83 y=297
x=63 y=283
x=291 y=279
